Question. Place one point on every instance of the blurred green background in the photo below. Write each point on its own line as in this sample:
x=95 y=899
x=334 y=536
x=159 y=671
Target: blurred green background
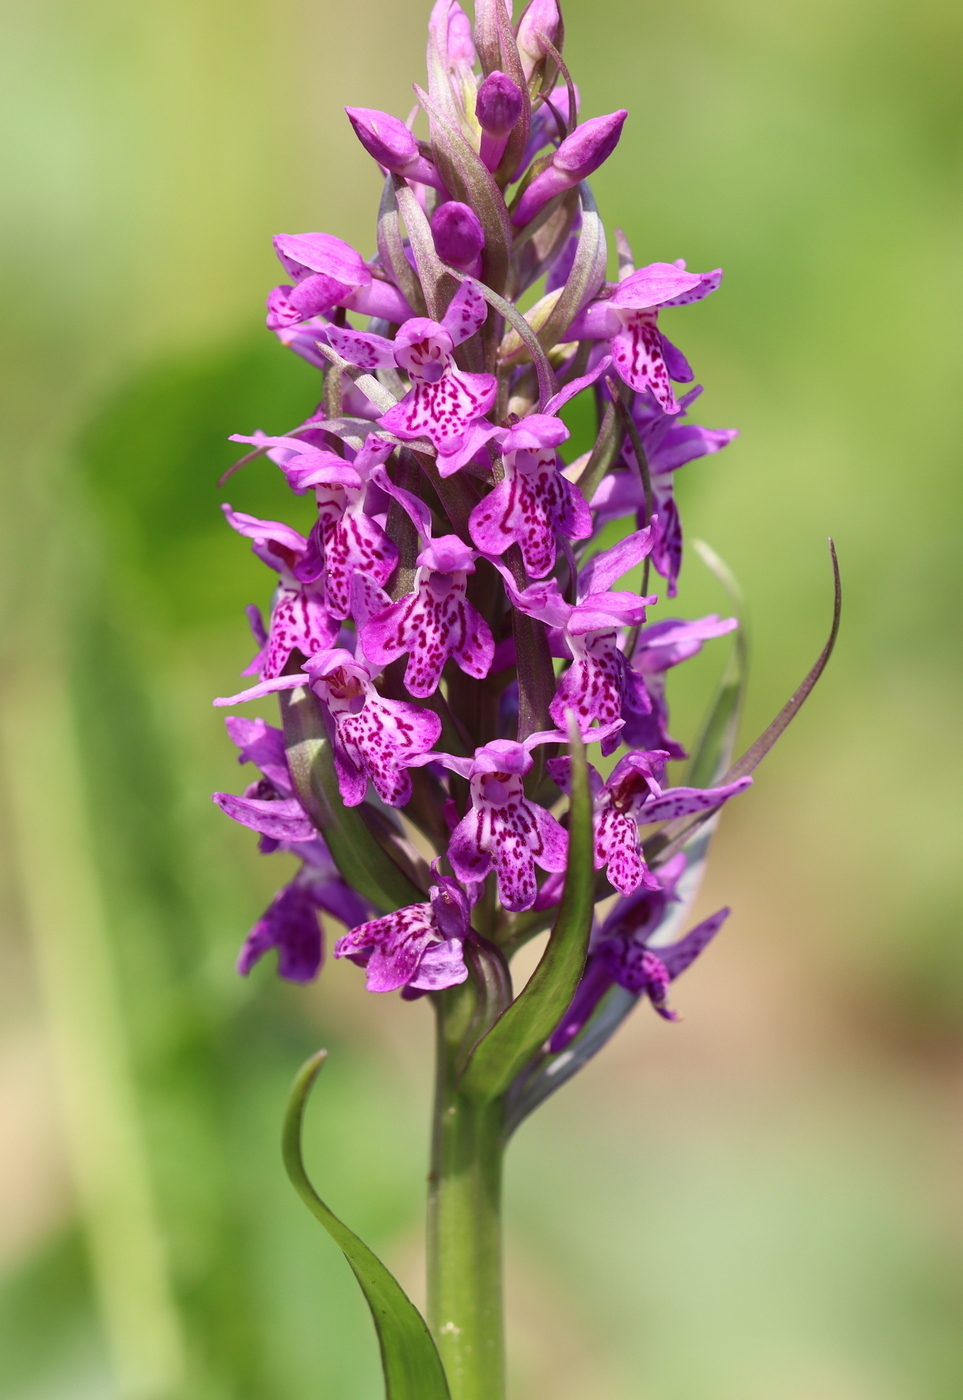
x=762 y=1203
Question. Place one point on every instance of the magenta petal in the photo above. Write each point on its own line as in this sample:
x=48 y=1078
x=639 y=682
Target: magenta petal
x=659 y=284
x=442 y=412
x=382 y=736
x=442 y=965
x=683 y=801
x=637 y=355
x=361 y=348
x=469 y=859
x=299 y=622
x=290 y=925
x=283 y=819
x=467 y=312
x=678 y=956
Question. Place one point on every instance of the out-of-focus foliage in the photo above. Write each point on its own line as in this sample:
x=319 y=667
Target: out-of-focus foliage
x=761 y=1203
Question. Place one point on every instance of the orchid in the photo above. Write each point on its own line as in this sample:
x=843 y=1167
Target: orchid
x=469 y=614
x=668 y=444
x=444 y=402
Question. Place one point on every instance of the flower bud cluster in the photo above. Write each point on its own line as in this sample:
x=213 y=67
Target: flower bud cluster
x=451 y=610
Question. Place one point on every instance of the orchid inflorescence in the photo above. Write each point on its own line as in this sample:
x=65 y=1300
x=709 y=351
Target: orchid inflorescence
x=451 y=634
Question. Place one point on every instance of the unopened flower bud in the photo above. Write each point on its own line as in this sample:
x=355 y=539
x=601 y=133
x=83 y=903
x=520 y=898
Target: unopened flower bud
x=391 y=144
x=458 y=234
x=590 y=144
x=498 y=107
x=499 y=104
x=541 y=18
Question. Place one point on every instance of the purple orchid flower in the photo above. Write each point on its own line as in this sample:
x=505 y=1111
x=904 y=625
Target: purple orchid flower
x=375 y=739
x=299 y=616
x=327 y=272
x=534 y=503
x=269 y=807
x=503 y=829
x=621 y=953
x=434 y=622
x=444 y=402
x=668 y=444
x=345 y=539
x=633 y=797
x=419 y=947
x=658 y=648
x=600 y=684
x=628 y=318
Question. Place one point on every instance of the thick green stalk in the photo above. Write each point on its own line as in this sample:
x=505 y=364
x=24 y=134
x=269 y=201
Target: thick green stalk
x=465 y=1310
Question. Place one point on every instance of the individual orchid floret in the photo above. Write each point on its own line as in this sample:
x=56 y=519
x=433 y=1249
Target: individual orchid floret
x=392 y=145
x=540 y=21
x=622 y=953
x=599 y=685
x=345 y=539
x=300 y=620
x=459 y=237
x=419 y=947
x=270 y=807
x=534 y=503
x=628 y=320
x=503 y=829
x=375 y=739
x=668 y=444
x=434 y=622
x=658 y=648
x=588 y=147
x=498 y=107
x=291 y=923
x=327 y=272
x=444 y=402
x=633 y=797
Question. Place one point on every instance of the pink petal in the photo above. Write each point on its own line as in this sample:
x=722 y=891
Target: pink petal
x=442 y=412
x=637 y=355
x=361 y=348
x=466 y=314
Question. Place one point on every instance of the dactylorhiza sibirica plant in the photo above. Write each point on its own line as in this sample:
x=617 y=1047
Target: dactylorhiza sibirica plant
x=456 y=631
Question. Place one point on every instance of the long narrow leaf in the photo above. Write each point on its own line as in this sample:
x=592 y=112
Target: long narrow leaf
x=535 y=1012
x=712 y=756
x=355 y=848
x=674 y=834
x=713 y=751
x=547 y=1072
x=409 y=1358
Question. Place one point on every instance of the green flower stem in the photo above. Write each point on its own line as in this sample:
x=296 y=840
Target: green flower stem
x=465 y=1309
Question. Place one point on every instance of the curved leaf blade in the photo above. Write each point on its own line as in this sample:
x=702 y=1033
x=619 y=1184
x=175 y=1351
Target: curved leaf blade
x=713 y=752
x=535 y=1012
x=409 y=1358
x=675 y=834
x=547 y=1072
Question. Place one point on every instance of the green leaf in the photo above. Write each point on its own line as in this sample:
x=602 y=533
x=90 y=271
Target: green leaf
x=534 y=1014
x=713 y=752
x=674 y=835
x=546 y=1072
x=370 y=860
x=409 y=1358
